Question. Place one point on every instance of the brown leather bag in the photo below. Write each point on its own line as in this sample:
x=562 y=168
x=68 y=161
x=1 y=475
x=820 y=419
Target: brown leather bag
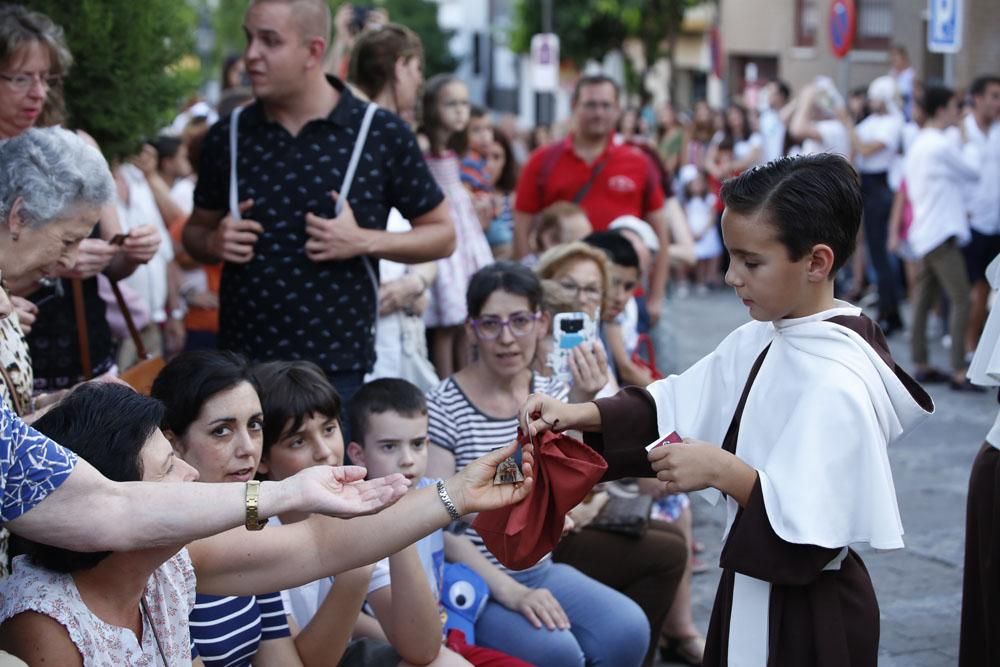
x=140 y=376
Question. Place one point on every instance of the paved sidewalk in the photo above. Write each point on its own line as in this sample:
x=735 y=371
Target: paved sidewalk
x=920 y=587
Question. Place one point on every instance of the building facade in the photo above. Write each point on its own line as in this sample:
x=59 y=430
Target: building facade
x=789 y=39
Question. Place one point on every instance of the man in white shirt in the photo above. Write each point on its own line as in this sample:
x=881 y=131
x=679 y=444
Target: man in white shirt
x=982 y=199
x=936 y=172
x=875 y=143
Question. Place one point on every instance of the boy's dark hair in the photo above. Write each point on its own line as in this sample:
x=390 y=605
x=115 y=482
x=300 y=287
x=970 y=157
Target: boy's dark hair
x=292 y=391
x=618 y=248
x=476 y=111
x=783 y=88
x=727 y=144
x=593 y=80
x=981 y=83
x=809 y=199
x=507 y=276
x=935 y=98
x=106 y=425
x=166 y=147
x=384 y=395
x=191 y=379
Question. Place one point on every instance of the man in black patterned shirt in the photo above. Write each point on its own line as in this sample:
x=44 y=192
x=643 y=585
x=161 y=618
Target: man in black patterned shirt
x=300 y=281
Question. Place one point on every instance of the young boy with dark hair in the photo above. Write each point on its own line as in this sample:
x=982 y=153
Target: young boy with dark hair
x=301 y=430
x=389 y=432
x=804 y=401
x=480 y=134
x=620 y=318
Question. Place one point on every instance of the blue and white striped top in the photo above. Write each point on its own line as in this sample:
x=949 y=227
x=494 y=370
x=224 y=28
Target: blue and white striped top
x=226 y=631
x=456 y=424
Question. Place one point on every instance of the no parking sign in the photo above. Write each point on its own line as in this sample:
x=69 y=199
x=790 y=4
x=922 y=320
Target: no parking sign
x=843 y=26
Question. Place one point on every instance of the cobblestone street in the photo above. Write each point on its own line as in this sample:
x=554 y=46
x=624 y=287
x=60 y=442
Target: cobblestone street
x=919 y=587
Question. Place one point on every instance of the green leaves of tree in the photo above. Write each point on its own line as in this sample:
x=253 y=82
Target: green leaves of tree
x=129 y=71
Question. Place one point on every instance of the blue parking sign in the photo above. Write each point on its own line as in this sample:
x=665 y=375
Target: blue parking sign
x=944 y=25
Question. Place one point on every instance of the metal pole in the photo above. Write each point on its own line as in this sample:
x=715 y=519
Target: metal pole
x=845 y=76
x=545 y=103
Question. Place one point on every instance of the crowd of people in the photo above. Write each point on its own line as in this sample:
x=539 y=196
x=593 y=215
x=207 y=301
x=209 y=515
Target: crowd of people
x=341 y=263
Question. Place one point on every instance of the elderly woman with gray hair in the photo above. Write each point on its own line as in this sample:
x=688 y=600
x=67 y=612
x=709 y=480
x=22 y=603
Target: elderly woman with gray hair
x=52 y=185
x=52 y=189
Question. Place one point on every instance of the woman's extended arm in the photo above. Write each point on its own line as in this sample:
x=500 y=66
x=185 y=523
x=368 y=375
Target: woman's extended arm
x=242 y=563
x=88 y=512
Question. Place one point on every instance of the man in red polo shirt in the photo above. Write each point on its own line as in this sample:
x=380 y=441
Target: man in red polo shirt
x=605 y=178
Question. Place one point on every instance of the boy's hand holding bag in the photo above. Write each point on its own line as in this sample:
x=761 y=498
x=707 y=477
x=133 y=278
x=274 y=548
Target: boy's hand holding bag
x=565 y=470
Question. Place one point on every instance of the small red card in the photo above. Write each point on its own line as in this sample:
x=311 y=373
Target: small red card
x=668 y=439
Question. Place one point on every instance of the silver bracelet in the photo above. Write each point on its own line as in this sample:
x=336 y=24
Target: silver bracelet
x=448 y=502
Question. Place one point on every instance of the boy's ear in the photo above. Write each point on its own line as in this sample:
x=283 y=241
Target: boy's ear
x=356 y=453
x=821 y=263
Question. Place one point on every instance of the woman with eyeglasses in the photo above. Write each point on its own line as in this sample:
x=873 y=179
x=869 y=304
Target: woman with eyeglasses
x=585 y=273
x=550 y=614
x=34 y=59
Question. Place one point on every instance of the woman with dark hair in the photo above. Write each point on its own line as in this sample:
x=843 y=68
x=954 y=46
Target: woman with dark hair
x=214 y=421
x=748 y=145
x=233 y=72
x=502 y=169
x=670 y=138
x=550 y=614
x=698 y=135
x=132 y=607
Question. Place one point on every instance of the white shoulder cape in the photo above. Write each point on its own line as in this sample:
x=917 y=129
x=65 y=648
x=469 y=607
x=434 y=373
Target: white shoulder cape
x=985 y=366
x=816 y=425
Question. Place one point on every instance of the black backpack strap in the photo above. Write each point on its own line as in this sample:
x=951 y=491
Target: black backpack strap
x=550 y=157
x=594 y=173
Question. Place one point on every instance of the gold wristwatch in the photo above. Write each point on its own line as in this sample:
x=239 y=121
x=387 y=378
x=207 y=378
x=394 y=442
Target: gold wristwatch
x=253 y=522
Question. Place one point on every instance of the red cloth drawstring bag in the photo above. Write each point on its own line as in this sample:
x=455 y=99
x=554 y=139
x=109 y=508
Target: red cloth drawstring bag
x=565 y=470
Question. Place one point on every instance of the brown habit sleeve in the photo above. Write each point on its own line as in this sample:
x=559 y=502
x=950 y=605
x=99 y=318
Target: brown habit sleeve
x=628 y=424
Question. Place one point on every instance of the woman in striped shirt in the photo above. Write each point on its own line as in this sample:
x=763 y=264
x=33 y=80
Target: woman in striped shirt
x=214 y=421
x=550 y=614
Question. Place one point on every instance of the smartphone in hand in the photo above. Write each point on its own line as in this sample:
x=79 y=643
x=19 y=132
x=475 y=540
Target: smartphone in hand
x=568 y=331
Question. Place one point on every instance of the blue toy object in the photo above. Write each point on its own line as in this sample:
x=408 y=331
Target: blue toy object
x=464 y=596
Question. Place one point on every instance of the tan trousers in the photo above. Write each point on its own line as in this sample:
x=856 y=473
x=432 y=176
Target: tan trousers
x=942 y=269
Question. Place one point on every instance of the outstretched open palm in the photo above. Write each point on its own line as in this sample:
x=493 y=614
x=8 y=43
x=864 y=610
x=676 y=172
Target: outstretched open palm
x=343 y=491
